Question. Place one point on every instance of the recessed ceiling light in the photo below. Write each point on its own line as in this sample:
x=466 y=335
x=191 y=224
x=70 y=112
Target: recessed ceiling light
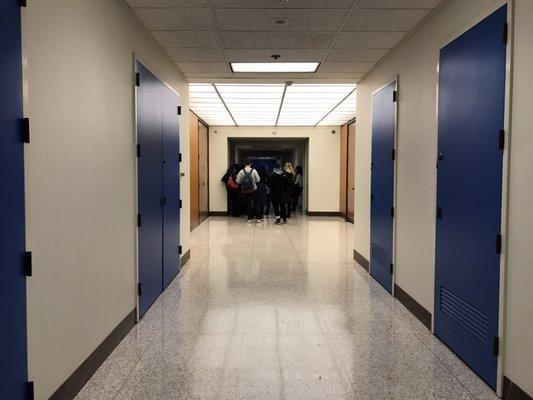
x=274 y=67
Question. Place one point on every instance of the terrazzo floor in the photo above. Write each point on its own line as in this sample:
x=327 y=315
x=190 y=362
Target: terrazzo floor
x=279 y=312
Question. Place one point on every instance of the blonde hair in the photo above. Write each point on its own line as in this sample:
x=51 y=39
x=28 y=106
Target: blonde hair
x=288 y=168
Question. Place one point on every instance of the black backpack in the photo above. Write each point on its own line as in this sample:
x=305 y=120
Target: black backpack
x=248 y=182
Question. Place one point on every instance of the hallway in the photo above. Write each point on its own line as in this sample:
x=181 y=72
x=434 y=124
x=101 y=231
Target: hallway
x=279 y=312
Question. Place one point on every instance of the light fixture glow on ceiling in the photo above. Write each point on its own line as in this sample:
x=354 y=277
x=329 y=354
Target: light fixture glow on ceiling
x=275 y=67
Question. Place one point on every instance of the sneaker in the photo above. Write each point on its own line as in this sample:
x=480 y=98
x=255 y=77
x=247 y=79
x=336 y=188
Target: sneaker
x=259 y=221
x=278 y=221
x=249 y=221
x=284 y=221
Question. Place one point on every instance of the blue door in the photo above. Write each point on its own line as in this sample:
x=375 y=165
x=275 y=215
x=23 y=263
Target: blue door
x=13 y=353
x=158 y=172
x=382 y=184
x=171 y=186
x=470 y=119
x=150 y=187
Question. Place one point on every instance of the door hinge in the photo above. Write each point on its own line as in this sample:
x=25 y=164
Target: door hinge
x=505 y=33
x=30 y=390
x=180 y=250
x=501 y=141
x=180 y=157
x=28 y=268
x=23 y=3
x=391 y=268
x=179 y=110
x=496 y=346
x=393 y=154
x=139 y=289
x=181 y=203
x=25 y=130
x=395 y=96
x=439 y=212
x=371 y=198
x=137 y=79
x=139 y=220
x=138 y=149
x=392 y=212
x=498 y=244
x=163 y=200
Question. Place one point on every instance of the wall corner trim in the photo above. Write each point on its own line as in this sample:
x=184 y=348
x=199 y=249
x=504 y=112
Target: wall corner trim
x=511 y=391
x=361 y=260
x=413 y=306
x=75 y=382
x=185 y=258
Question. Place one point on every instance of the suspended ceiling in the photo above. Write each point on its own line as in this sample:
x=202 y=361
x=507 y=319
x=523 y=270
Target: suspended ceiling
x=347 y=37
x=273 y=104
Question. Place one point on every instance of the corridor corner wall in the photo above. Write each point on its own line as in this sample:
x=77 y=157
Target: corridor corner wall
x=416 y=63
x=80 y=176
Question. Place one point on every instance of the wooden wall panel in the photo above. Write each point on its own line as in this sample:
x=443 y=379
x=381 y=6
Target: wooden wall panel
x=194 y=176
x=203 y=171
x=343 y=162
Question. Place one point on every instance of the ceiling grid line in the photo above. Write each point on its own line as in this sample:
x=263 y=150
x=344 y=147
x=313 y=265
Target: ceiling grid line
x=338 y=104
x=281 y=102
x=219 y=33
x=224 y=103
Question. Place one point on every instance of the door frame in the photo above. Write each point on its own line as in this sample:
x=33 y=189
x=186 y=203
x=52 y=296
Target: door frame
x=350 y=122
x=394 y=79
x=505 y=173
x=201 y=121
x=137 y=58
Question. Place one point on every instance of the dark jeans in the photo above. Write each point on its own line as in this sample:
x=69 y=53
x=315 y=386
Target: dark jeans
x=280 y=207
x=253 y=205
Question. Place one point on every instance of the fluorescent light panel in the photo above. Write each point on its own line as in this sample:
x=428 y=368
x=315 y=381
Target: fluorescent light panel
x=274 y=67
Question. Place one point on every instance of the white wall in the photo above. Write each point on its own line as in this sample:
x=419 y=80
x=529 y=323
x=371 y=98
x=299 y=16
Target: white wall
x=80 y=180
x=322 y=166
x=416 y=63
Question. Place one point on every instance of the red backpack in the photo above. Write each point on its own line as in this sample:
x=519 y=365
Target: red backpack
x=232 y=185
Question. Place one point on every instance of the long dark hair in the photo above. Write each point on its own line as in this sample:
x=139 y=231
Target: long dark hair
x=299 y=170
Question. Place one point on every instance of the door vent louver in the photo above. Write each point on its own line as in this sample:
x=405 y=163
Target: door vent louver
x=381 y=256
x=466 y=315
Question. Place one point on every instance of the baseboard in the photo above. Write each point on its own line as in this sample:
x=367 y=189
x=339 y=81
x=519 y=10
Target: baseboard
x=218 y=213
x=185 y=258
x=323 y=213
x=361 y=260
x=513 y=392
x=75 y=382
x=413 y=306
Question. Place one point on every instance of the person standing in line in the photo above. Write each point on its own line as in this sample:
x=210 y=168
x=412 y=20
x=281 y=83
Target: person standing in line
x=287 y=188
x=261 y=194
x=248 y=178
x=276 y=183
x=297 y=187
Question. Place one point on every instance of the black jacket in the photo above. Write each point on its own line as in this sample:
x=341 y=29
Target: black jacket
x=280 y=182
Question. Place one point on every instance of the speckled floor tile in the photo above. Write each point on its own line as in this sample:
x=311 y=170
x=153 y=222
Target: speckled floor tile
x=279 y=312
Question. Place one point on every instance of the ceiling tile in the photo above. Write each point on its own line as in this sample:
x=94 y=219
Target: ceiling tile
x=211 y=67
x=170 y=3
x=280 y=4
x=285 y=40
x=357 y=55
x=196 y=54
x=176 y=18
x=397 y=3
x=263 y=55
x=346 y=67
x=262 y=20
x=366 y=40
x=188 y=39
x=384 y=20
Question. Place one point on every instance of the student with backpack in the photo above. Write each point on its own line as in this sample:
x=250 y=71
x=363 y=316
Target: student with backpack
x=276 y=183
x=232 y=189
x=287 y=188
x=248 y=178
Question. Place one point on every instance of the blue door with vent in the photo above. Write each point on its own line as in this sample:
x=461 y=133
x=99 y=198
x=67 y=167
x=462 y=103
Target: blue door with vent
x=13 y=353
x=471 y=108
x=382 y=184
